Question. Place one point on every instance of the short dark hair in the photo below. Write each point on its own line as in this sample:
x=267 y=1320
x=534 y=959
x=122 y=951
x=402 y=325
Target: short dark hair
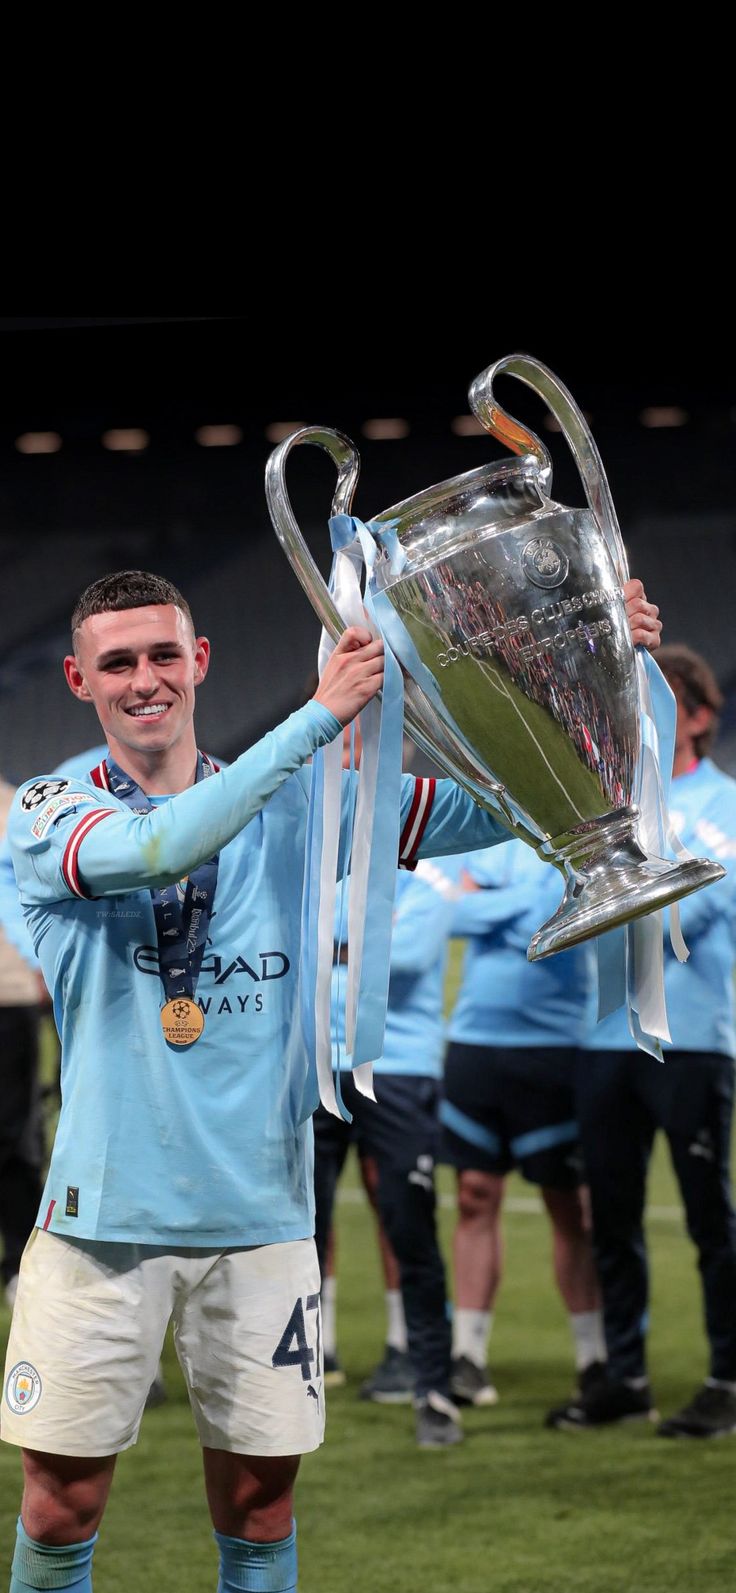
x=698 y=686
x=126 y=589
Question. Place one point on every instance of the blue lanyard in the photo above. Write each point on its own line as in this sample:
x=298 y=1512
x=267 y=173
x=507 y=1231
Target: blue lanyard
x=182 y=912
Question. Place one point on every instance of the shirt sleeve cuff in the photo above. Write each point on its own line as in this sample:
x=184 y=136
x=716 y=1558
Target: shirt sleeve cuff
x=322 y=721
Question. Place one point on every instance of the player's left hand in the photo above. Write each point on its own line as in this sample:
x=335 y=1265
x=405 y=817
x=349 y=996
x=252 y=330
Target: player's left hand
x=643 y=617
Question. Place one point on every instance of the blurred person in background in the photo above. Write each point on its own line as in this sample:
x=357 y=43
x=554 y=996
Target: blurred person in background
x=508 y=1103
x=623 y=1096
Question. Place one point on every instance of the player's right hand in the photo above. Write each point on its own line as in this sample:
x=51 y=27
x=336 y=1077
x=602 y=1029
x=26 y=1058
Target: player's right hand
x=353 y=674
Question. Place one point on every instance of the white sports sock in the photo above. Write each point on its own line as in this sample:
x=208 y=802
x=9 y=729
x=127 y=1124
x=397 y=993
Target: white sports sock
x=329 y=1315
x=588 y=1337
x=395 y=1320
x=471 y=1331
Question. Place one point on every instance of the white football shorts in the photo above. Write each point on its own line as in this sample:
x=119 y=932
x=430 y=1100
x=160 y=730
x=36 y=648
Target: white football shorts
x=89 y=1325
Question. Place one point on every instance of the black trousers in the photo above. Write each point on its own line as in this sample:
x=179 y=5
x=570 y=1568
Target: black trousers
x=399 y=1131
x=20 y=1133
x=622 y=1098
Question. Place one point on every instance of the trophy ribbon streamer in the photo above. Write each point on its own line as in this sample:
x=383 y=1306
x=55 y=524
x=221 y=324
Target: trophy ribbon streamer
x=369 y=827
x=631 y=960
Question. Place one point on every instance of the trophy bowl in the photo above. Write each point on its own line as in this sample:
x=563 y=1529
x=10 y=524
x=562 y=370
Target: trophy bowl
x=505 y=610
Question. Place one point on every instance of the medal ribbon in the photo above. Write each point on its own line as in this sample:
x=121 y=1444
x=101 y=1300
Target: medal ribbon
x=181 y=928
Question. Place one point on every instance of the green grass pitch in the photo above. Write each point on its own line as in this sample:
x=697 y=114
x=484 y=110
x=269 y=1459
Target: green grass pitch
x=515 y=1509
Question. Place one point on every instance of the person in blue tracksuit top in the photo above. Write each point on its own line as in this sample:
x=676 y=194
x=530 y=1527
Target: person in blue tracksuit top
x=623 y=1096
x=397 y=1135
x=508 y=1103
x=163 y=898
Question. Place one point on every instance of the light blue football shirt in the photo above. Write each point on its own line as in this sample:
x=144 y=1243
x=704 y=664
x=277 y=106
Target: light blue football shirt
x=423 y=909
x=505 y=1000
x=209 y=1145
x=699 y=992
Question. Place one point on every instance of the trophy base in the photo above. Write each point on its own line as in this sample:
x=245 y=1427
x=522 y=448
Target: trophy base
x=611 y=882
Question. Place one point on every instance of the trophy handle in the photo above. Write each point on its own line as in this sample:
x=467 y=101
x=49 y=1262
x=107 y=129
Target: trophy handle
x=421 y=723
x=576 y=431
x=347 y=459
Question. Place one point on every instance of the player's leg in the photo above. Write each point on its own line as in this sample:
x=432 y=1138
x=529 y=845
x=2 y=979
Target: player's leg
x=332 y=1138
x=477 y=1258
x=392 y=1382
x=86 y=1335
x=540 y=1096
x=475 y=1143
x=64 y=1497
x=695 y=1107
x=334 y=1374
x=616 y=1128
x=577 y=1279
x=400 y=1130
x=247 y=1333
x=251 y=1502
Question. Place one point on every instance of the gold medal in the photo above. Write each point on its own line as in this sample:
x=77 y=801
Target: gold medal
x=182 y=1021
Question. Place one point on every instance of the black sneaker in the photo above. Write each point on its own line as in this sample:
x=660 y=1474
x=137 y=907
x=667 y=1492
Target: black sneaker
x=470 y=1384
x=711 y=1414
x=392 y=1383
x=333 y=1374
x=602 y=1406
x=590 y=1376
x=438 y=1422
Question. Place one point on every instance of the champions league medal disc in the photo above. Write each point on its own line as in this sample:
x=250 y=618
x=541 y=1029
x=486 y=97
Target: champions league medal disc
x=182 y=1021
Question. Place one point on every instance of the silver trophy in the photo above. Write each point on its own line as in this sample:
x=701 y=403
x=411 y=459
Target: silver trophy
x=506 y=613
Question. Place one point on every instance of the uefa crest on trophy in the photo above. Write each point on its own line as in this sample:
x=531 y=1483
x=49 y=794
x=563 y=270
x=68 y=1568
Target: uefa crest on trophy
x=505 y=610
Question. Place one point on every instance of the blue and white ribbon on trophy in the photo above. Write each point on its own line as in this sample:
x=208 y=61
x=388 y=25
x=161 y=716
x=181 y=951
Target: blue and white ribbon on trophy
x=631 y=959
x=359 y=834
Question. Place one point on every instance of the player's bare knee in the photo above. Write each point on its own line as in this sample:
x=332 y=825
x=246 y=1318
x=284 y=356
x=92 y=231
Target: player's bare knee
x=251 y=1497
x=567 y=1212
x=64 y=1497
x=478 y=1196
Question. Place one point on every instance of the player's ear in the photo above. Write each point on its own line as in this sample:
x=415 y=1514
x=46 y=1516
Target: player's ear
x=701 y=719
x=75 y=679
x=201 y=658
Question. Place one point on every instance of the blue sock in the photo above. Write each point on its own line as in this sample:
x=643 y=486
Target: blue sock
x=257 y=1567
x=43 y=1565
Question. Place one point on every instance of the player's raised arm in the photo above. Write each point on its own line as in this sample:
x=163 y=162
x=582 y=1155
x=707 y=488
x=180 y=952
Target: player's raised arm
x=94 y=847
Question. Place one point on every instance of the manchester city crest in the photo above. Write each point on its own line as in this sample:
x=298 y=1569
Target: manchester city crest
x=544 y=562
x=23 y=1388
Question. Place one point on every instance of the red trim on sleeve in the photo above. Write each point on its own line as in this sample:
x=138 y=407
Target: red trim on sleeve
x=406 y=832
x=69 y=865
x=416 y=824
x=49 y=1214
